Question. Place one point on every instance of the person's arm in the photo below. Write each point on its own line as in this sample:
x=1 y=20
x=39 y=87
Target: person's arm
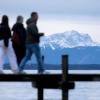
x=34 y=30
x=41 y=34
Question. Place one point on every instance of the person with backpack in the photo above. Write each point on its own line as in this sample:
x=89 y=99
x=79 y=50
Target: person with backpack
x=32 y=43
x=6 y=46
x=18 y=39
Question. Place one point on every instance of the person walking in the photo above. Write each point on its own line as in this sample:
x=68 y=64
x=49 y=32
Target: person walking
x=6 y=45
x=18 y=39
x=32 y=43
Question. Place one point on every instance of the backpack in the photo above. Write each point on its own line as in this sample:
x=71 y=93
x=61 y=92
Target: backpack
x=16 y=38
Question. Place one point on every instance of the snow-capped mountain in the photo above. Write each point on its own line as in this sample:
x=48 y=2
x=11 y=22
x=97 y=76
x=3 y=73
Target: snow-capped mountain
x=68 y=39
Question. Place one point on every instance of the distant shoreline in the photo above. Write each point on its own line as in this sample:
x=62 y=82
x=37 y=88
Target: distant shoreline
x=58 y=67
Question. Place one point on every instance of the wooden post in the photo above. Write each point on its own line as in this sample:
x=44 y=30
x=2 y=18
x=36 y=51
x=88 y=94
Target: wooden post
x=64 y=76
x=40 y=89
x=40 y=93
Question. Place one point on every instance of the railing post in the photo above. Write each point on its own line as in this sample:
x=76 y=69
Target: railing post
x=64 y=76
x=40 y=89
x=40 y=93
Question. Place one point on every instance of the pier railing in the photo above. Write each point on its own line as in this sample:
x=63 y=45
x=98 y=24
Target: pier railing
x=64 y=81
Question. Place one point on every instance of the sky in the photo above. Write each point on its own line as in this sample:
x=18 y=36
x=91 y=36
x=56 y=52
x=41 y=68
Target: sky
x=57 y=16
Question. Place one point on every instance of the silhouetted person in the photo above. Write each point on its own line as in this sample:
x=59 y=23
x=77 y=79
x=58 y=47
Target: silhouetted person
x=6 y=46
x=32 y=42
x=18 y=39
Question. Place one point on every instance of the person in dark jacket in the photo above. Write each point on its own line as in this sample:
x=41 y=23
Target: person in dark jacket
x=6 y=46
x=18 y=39
x=32 y=43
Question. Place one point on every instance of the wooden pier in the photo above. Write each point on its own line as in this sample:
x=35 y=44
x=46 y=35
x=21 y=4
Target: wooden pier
x=64 y=81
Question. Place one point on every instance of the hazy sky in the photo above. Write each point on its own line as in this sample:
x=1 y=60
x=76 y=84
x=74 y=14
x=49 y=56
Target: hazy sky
x=84 y=7
x=58 y=15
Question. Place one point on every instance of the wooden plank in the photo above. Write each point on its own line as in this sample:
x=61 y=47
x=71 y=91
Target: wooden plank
x=44 y=80
x=52 y=78
x=84 y=77
x=31 y=77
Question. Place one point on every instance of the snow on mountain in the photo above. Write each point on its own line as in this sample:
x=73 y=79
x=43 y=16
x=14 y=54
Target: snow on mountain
x=68 y=39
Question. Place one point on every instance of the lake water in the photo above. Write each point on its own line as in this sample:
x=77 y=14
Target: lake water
x=24 y=90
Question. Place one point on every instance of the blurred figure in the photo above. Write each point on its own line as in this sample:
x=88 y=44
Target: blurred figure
x=18 y=39
x=6 y=46
x=32 y=43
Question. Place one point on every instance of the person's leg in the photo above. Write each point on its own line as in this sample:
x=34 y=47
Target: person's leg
x=21 y=53
x=1 y=59
x=12 y=59
x=2 y=54
x=26 y=58
x=16 y=50
x=39 y=58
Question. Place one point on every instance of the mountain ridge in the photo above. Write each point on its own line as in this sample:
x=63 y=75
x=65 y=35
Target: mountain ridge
x=68 y=39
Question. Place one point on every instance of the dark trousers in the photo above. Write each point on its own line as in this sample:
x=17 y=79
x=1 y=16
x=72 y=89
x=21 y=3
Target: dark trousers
x=19 y=51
